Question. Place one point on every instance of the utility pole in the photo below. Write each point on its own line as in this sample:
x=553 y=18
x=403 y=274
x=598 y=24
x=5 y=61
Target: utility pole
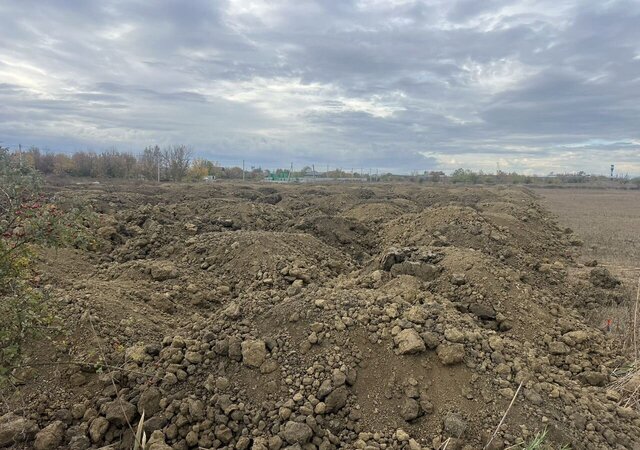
x=243 y=170
x=313 y=167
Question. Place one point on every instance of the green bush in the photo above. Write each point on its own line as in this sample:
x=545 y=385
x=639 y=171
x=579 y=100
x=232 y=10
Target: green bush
x=28 y=218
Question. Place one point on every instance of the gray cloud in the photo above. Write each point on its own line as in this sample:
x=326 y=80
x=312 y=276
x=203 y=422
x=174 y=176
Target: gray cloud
x=534 y=85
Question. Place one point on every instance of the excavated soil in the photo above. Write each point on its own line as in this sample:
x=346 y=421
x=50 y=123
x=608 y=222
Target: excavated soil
x=320 y=317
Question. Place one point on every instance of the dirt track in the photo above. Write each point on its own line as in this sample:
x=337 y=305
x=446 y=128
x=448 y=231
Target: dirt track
x=378 y=316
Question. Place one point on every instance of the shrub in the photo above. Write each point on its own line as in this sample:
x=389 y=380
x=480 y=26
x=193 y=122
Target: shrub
x=28 y=218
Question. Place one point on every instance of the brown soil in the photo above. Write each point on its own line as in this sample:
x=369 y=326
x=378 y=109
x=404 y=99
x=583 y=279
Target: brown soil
x=320 y=317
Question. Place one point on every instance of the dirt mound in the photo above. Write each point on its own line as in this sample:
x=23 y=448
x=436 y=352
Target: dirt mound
x=400 y=318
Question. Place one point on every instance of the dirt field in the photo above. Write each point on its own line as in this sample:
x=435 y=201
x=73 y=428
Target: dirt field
x=608 y=220
x=322 y=317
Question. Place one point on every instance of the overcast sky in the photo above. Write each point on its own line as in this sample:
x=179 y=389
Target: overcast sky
x=534 y=86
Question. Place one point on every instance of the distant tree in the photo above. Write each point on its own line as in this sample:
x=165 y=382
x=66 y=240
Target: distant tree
x=83 y=164
x=199 y=169
x=150 y=162
x=177 y=159
x=62 y=165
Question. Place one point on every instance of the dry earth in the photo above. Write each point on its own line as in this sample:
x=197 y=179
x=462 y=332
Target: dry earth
x=608 y=220
x=321 y=317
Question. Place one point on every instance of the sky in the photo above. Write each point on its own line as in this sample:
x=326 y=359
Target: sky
x=534 y=86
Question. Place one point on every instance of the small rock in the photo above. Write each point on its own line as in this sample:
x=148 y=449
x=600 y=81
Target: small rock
x=558 y=348
x=297 y=433
x=149 y=401
x=254 y=352
x=50 y=437
x=594 y=378
x=410 y=409
x=337 y=399
x=14 y=428
x=409 y=342
x=98 y=428
x=450 y=353
x=454 y=425
x=119 y=411
x=454 y=335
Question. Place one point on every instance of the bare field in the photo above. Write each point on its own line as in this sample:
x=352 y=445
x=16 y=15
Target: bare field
x=607 y=220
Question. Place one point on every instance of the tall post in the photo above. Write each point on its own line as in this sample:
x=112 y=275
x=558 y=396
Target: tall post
x=243 y=170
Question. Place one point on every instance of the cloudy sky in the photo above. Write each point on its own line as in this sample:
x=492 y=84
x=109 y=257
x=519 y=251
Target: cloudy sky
x=535 y=85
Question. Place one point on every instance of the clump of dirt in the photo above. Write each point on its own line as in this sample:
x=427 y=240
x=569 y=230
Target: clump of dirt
x=274 y=317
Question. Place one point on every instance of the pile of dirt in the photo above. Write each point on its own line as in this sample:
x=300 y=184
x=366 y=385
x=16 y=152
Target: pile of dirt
x=319 y=321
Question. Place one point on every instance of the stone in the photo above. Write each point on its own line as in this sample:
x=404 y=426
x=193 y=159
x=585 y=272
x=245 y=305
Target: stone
x=50 y=437
x=191 y=438
x=402 y=435
x=458 y=279
x=297 y=433
x=79 y=443
x=254 y=352
x=157 y=442
x=454 y=335
x=135 y=353
x=325 y=389
x=337 y=399
x=450 y=354
x=431 y=339
x=496 y=343
x=533 y=397
x=575 y=337
x=98 y=429
x=14 y=428
x=269 y=366
x=338 y=378
x=232 y=311
x=274 y=443
x=455 y=425
x=223 y=433
x=485 y=312
x=119 y=411
x=410 y=409
x=193 y=357
x=78 y=410
x=149 y=401
x=558 y=348
x=409 y=342
x=163 y=271
x=594 y=378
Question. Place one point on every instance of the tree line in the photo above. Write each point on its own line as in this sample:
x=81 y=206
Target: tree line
x=171 y=163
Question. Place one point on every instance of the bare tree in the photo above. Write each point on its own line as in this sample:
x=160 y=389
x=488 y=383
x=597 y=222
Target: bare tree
x=177 y=159
x=151 y=162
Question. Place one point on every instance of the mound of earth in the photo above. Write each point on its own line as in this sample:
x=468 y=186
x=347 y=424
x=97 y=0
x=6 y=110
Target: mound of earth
x=235 y=321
